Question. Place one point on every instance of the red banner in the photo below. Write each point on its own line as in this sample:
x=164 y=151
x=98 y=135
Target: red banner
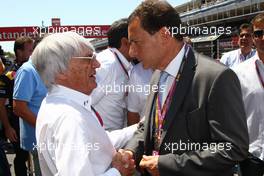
x=89 y=31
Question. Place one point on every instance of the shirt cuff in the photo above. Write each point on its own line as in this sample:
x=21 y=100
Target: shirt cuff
x=132 y=109
x=113 y=171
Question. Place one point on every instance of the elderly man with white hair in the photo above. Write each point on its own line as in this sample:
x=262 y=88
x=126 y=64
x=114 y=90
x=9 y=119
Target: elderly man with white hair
x=70 y=135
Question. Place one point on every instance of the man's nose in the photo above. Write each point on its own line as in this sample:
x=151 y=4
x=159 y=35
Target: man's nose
x=96 y=63
x=132 y=51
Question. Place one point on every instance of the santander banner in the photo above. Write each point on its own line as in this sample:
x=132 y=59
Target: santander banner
x=88 y=31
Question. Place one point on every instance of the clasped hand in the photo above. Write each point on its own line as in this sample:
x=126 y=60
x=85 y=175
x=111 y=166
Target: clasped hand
x=124 y=162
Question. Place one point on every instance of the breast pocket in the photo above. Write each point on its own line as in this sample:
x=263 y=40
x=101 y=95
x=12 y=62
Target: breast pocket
x=197 y=125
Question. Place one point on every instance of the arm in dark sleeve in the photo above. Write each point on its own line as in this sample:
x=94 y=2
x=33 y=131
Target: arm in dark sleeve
x=136 y=144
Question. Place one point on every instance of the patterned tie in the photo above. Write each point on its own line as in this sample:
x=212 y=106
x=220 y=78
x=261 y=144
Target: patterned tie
x=163 y=86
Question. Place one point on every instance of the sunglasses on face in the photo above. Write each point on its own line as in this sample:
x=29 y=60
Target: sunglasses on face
x=245 y=35
x=258 y=33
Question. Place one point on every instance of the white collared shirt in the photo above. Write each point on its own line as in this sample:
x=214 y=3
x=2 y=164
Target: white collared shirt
x=109 y=98
x=235 y=57
x=172 y=69
x=70 y=138
x=253 y=96
x=139 y=88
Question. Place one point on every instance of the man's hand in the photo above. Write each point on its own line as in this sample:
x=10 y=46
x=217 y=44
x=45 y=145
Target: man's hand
x=150 y=163
x=22 y=110
x=127 y=157
x=11 y=134
x=124 y=162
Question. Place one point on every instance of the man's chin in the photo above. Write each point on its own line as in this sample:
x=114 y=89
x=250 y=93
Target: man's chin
x=92 y=86
x=145 y=66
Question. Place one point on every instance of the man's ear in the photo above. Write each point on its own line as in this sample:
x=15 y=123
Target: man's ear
x=124 y=47
x=124 y=42
x=165 y=35
x=61 y=77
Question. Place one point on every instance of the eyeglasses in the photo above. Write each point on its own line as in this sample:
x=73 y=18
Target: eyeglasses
x=87 y=57
x=258 y=33
x=245 y=35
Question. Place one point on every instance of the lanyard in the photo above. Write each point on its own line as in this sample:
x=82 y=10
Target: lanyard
x=98 y=116
x=259 y=75
x=160 y=112
x=119 y=60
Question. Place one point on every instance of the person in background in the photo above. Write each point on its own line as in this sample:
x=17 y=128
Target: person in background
x=110 y=96
x=139 y=89
x=23 y=48
x=2 y=66
x=245 y=51
x=29 y=91
x=251 y=76
x=4 y=165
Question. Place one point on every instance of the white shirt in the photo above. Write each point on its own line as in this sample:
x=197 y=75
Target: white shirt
x=253 y=96
x=172 y=69
x=139 y=88
x=70 y=138
x=235 y=57
x=109 y=98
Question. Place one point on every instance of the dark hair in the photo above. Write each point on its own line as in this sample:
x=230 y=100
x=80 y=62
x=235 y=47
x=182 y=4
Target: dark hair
x=117 y=31
x=155 y=14
x=20 y=43
x=1 y=51
x=258 y=19
x=245 y=26
x=38 y=39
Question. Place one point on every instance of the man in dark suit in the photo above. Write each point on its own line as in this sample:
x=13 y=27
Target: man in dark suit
x=195 y=123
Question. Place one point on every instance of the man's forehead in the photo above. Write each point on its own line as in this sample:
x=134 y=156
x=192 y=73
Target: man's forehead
x=258 y=26
x=135 y=29
x=28 y=45
x=246 y=30
x=135 y=22
x=87 y=53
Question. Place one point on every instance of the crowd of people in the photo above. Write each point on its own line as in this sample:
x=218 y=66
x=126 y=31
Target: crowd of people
x=147 y=105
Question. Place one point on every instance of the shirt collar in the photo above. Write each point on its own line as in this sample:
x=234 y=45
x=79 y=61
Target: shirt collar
x=175 y=64
x=249 y=55
x=128 y=65
x=72 y=95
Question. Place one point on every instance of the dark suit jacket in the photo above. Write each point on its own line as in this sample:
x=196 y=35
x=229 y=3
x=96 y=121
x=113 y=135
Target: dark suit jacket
x=205 y=130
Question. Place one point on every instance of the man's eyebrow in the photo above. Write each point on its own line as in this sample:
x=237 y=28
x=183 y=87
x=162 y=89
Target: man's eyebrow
x=133 y=40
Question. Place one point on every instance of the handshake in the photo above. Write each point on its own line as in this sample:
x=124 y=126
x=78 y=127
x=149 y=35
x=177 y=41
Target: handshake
x=124 y=162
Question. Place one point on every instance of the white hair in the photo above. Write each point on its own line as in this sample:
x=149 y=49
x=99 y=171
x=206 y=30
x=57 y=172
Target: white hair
x=52 y=54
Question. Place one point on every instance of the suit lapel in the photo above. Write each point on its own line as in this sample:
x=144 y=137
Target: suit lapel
x=180 y=91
